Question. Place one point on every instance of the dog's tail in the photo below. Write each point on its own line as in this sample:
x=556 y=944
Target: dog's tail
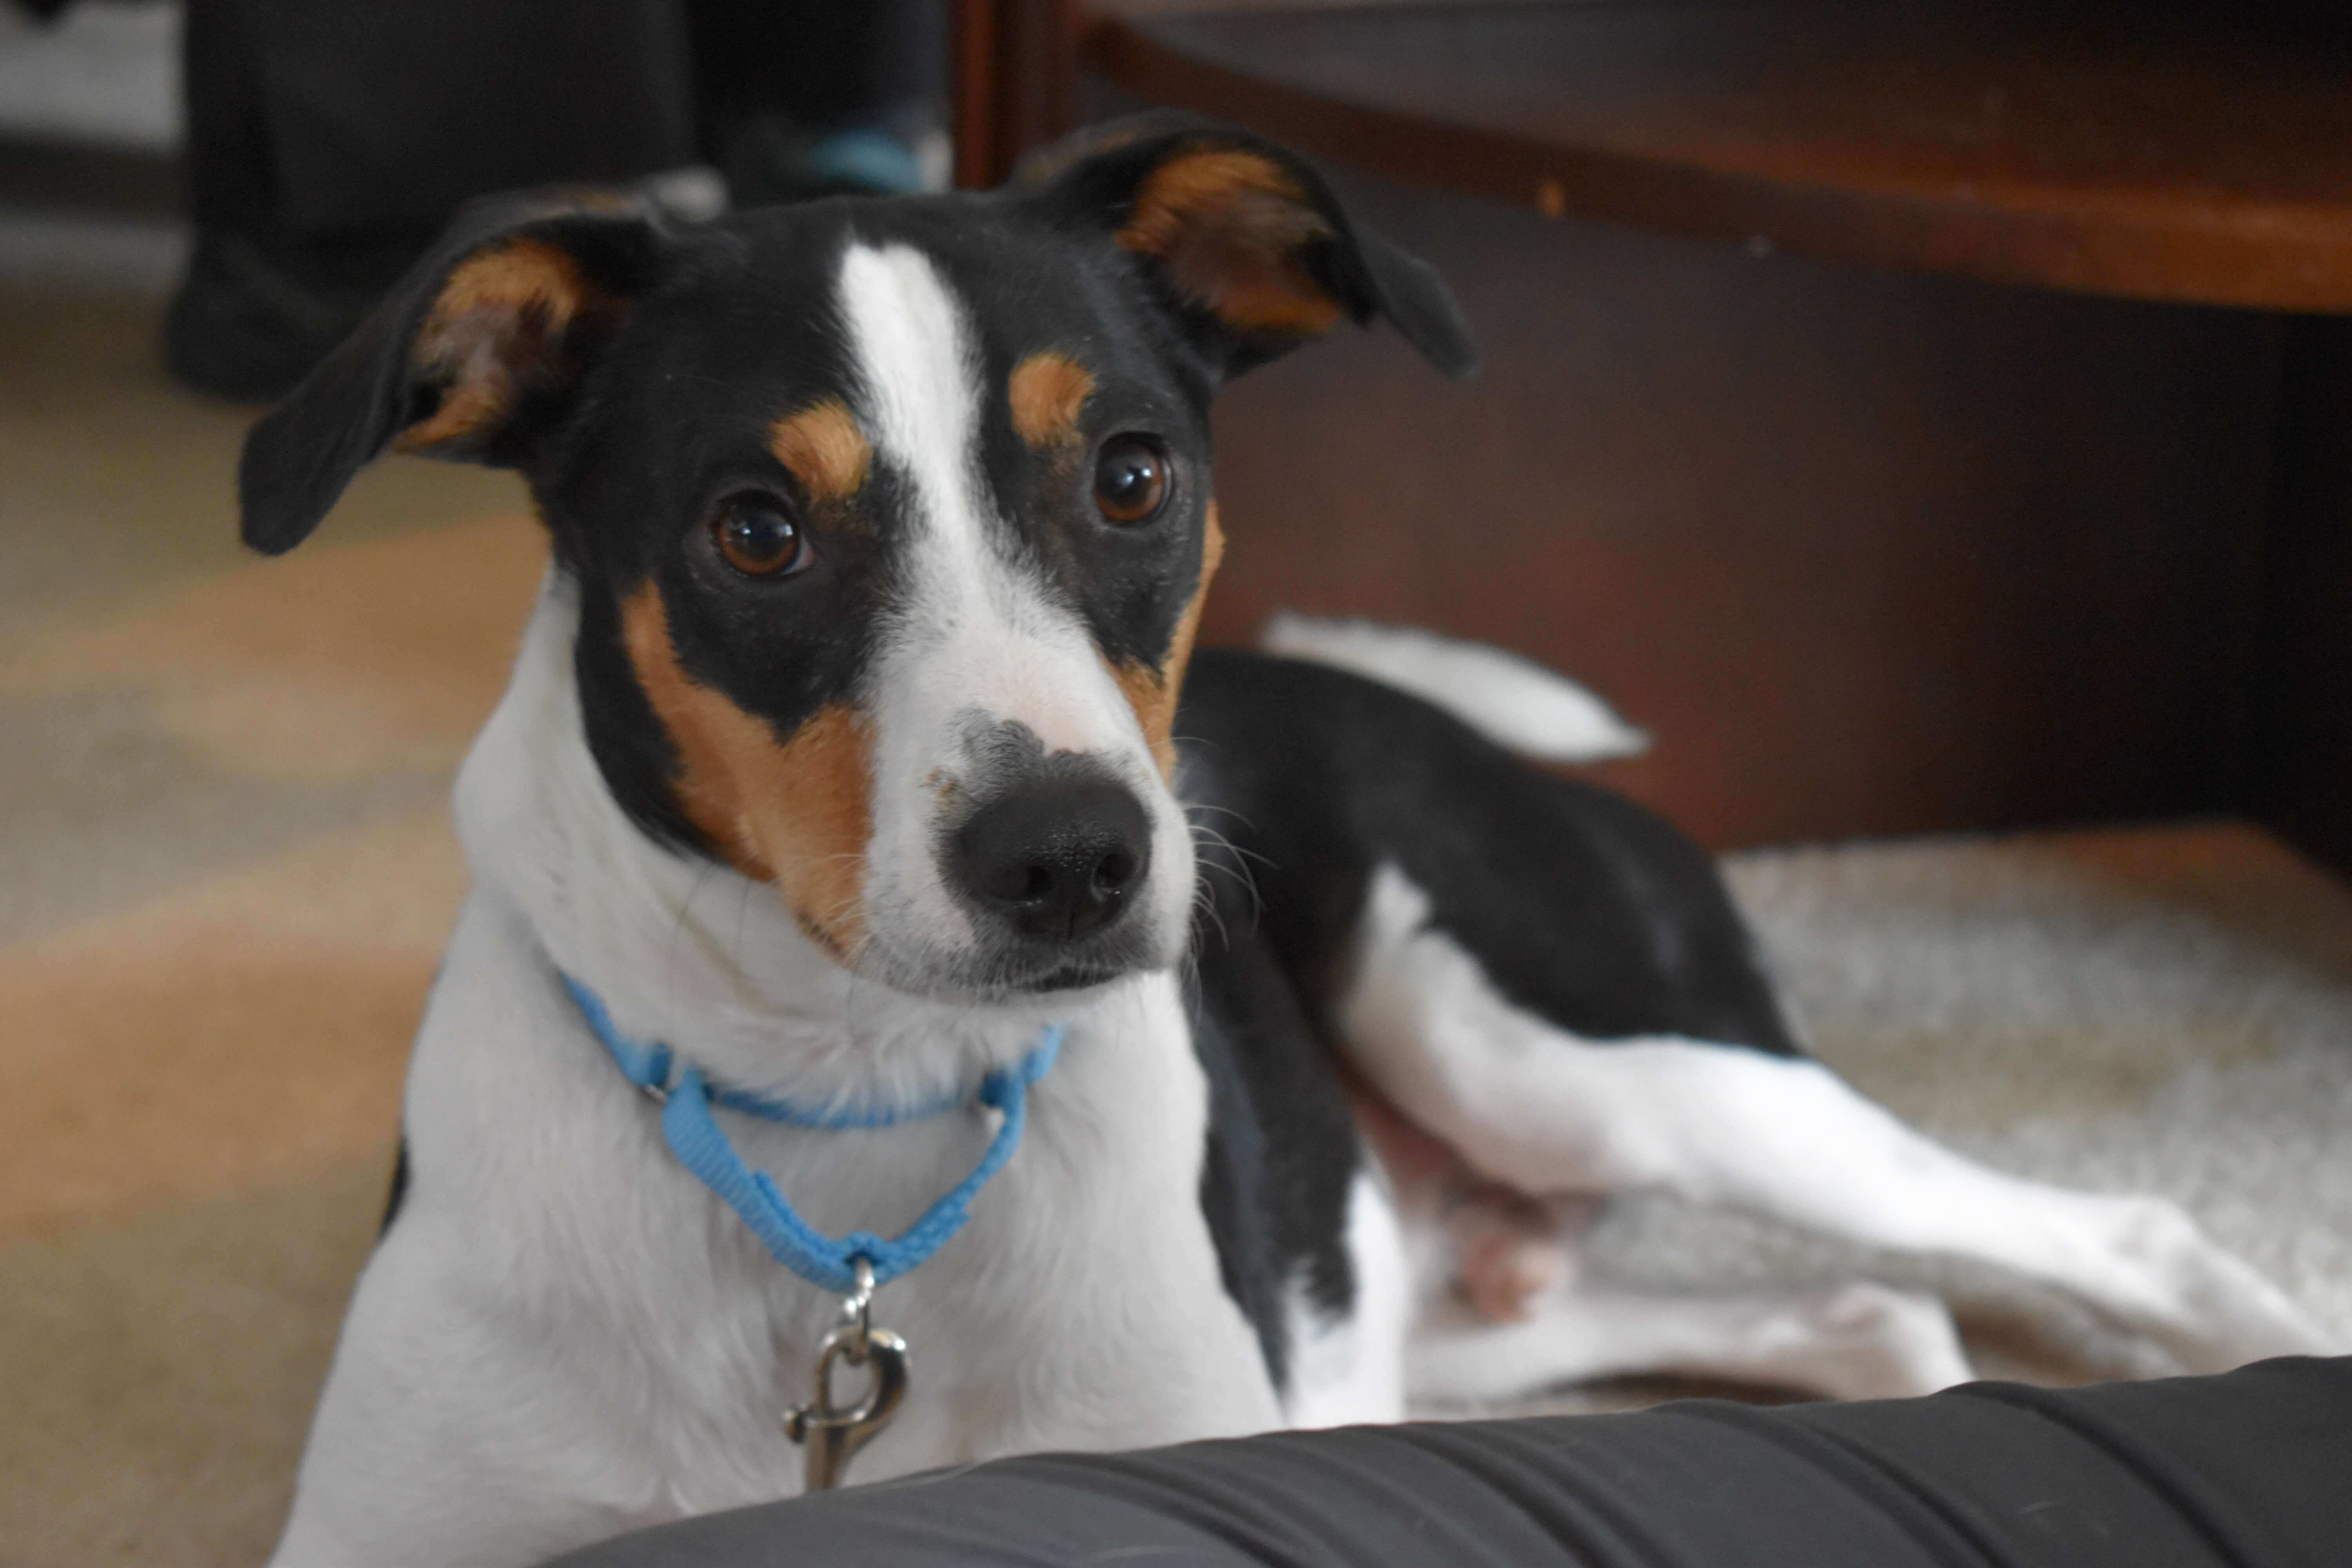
x=1512 y=701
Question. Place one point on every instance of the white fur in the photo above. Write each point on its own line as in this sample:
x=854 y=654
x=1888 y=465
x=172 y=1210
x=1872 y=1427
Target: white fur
x=977 y=641
x=565 y=1335
x=1350 y=1369
x=1513 y=701
x=1858 y=1340
x=1543 y=1112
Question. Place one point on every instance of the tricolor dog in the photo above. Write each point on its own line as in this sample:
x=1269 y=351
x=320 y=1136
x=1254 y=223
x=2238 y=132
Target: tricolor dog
x=856 y=750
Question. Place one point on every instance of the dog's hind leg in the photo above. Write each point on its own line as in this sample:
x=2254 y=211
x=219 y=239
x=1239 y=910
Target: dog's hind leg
x=1556 y=983
x=1529 y=1104
x=1859 y=1340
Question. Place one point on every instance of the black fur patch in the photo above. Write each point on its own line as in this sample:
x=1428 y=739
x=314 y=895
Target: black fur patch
x=1579 y=906
x=1283 y=1153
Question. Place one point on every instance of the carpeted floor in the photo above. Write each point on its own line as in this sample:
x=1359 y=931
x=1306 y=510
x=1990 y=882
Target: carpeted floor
x=225 y=873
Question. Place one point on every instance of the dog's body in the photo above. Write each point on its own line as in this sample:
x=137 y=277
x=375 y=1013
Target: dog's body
x=844 y=754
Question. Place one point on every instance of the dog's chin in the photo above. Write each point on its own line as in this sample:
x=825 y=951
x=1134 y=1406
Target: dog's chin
x=1071 y=977
x=1012 y=972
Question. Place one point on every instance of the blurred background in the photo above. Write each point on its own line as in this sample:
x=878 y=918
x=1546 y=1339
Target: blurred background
x=1932 y=423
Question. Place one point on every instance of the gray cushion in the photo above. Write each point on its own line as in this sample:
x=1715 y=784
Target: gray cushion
x=2251 y=1470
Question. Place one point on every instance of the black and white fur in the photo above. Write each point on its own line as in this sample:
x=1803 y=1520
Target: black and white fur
x=1387 y=921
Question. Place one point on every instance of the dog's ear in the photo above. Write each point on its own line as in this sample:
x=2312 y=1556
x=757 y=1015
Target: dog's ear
x=474 y=356
x=1242 y=237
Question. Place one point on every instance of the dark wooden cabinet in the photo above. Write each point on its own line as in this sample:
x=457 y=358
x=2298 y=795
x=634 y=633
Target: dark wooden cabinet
x=1921 y=418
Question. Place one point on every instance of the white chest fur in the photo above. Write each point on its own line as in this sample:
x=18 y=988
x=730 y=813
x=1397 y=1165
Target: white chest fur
x=565 y=1334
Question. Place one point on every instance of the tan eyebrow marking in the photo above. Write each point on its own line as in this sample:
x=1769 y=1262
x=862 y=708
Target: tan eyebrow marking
x=1047 y=391
x=823 y=447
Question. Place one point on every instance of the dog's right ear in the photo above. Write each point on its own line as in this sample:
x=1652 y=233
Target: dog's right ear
x=474 y=356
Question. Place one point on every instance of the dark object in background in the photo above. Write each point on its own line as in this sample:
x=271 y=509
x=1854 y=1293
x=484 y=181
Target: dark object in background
x=328 y=145
x=2243 y=1471
x=800 y=98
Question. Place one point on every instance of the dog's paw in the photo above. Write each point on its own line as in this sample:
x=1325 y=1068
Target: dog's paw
x=2209 y=1308
x=1868 y=1341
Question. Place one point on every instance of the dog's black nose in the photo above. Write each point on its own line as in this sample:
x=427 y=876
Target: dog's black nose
x=1055 y=857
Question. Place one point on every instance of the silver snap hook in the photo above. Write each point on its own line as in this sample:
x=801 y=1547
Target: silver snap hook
x=833 y=1433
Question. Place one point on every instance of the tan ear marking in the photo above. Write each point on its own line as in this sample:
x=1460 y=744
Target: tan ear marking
x=1152 y=693
x=1231 y=228
x=1046 y=391
x=796 y=811
x=497 y=312
x=823 y=447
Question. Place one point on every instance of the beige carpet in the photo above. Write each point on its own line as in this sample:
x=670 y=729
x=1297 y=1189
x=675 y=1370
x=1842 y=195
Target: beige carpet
x=225 y=873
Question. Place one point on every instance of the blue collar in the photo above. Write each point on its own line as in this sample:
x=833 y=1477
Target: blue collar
x=694 y=1137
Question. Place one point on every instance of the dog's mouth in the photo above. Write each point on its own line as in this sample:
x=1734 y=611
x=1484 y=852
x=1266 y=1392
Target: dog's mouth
x=1076 y=977
x=1008 y=971
x=1041 y=971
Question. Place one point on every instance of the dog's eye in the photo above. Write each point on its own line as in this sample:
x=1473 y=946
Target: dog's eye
x=1131 y=479
x=757 y=537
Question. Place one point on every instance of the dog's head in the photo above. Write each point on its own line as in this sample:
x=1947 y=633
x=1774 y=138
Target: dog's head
x=889 y=519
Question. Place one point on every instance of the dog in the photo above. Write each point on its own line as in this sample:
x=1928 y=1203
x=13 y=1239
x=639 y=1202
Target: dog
x=856 y=747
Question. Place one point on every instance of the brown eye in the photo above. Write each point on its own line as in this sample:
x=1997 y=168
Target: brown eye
x=1130 y=477
x=758 y=537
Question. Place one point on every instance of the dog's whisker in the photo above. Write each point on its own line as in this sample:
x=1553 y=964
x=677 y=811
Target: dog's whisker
x=1238 y=870
x=1191 y=805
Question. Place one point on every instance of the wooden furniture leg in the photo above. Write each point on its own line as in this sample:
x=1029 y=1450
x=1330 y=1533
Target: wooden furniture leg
x=1015 y=82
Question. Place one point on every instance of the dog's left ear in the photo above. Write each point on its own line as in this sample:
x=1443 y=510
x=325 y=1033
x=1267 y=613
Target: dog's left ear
x=1242 y=237
x=475 y=355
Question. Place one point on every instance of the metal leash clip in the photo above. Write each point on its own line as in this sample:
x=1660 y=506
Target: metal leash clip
x=831 y=1433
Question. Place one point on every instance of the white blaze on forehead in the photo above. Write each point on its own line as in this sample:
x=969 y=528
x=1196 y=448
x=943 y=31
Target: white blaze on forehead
x=1014 y=654
x=920 y=378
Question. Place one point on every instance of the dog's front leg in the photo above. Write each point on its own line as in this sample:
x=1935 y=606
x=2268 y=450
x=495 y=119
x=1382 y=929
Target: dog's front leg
x=436 y=1440
x=493 y=1394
